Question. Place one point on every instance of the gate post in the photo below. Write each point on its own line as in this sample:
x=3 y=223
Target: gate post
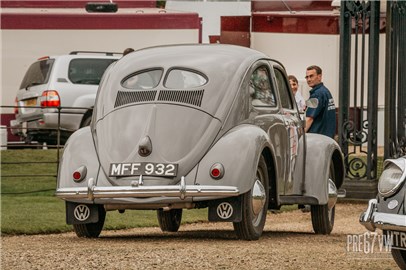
x=395 y=84
x=358 y=97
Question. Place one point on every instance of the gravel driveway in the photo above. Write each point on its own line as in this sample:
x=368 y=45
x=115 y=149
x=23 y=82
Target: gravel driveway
x=287 y=243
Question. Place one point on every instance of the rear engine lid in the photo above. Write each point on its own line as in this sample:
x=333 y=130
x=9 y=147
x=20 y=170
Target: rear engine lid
x=154 y=133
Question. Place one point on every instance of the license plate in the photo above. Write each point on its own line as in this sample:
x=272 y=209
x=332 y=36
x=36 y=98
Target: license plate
x=143 y=168
x=396 y=239
x=30 y=102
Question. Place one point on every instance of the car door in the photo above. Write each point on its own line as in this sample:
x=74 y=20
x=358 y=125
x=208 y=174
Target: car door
x=294 y=131
x=266 y=115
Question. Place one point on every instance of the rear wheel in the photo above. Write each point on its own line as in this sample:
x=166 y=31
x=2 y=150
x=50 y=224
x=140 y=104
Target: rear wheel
x=91 y=230
x=169 y=221
x=323 y=215
x=254 y=206
x=400 y=257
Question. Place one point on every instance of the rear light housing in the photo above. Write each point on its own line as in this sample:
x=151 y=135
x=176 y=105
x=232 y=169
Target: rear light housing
x=50 y=98
x=217 y=171
x=79 y=174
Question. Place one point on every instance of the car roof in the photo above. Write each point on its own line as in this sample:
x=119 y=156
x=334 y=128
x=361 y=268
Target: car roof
x=197 y=56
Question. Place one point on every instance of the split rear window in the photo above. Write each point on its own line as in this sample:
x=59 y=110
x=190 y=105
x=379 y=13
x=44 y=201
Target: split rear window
x=184 y=79
x=176 y=78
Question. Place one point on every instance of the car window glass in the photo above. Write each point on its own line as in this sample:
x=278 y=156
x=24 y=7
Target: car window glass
x=183 y=79
x=88 y=71
x=38 y=73
x=260 y=88
x=143 y=80
x=284 y=91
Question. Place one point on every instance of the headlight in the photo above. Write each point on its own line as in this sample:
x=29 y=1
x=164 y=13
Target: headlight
x=392 y=177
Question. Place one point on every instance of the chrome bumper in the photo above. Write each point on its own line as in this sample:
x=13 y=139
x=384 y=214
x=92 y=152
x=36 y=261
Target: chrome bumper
x=137 y=191
x=384 y=221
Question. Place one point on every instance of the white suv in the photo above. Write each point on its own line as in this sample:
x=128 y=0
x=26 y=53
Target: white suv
x=67 y=83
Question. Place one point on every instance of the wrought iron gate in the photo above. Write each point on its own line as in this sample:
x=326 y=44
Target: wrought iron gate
x=395 y=85
x=358 y=97
x=359 y=63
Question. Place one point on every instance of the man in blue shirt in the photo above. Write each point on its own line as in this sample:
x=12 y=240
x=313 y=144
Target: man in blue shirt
x=322 y=119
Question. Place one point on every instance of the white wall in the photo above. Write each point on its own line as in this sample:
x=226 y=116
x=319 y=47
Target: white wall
x=211 y=13
x=298 y=51
x=20 y=48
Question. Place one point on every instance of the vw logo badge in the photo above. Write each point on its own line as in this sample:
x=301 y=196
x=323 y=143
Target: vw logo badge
x=225 y=210
x=81 y=212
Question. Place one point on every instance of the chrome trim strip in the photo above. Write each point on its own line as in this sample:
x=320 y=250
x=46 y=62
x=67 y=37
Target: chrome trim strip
x=384 y=221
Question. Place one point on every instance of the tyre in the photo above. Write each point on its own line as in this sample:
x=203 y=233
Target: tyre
x=400 y=257
x=254 y=206
x=323 y=215
x=91 y=230
x=169 y=221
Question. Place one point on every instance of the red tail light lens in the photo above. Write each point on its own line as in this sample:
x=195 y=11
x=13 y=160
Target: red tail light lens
x=217 y=171
x=50 y=98
x=79 y=174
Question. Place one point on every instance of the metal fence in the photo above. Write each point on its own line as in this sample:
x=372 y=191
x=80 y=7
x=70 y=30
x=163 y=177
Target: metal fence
x=22 y=144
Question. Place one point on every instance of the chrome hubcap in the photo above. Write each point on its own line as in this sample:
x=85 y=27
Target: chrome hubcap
x=332 y=194
x=258 y=199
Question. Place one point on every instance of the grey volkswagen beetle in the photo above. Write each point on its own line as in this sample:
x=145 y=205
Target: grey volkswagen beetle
x=388 y=211
x=197 y=126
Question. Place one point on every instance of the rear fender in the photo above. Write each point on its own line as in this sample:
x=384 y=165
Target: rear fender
x=79 y=151
x=238 y=151
x=321 y=152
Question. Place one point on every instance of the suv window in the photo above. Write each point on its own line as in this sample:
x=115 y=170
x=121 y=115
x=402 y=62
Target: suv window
x=143 y=80
x=183 y=79
x=260 y=88
x=88 y=71
x=283 y=90
x=37 y=73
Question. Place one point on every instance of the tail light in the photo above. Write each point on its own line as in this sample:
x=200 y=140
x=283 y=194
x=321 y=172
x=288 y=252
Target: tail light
x=79 y=174
x=16 y=106
x=217 y=171
x=50 y=98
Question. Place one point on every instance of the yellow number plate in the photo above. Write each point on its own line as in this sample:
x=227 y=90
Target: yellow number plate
x=30 y=102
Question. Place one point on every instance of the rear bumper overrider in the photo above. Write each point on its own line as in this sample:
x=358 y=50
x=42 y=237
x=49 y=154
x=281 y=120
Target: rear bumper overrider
x=372 y=219
x=136 y=190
